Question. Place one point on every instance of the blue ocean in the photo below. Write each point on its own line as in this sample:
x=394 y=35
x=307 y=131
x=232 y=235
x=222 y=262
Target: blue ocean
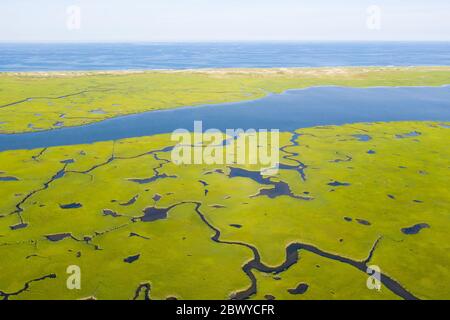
x=121 y=56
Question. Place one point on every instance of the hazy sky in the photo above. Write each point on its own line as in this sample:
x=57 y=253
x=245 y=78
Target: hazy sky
x=204 y=20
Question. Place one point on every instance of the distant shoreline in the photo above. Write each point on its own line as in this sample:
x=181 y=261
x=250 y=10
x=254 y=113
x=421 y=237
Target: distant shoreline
x=226 y=71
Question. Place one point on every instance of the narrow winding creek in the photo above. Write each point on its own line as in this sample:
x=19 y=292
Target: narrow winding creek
x=288 y=111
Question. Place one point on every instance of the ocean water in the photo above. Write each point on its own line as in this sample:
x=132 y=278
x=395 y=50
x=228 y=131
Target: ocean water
x=121 y=56
x=288 y=111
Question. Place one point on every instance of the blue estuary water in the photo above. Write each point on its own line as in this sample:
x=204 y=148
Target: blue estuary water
x=286 y=112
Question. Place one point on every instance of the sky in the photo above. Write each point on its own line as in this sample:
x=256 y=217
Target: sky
x=224 y=20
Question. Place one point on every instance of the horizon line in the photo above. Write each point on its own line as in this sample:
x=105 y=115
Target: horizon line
x=216 y=41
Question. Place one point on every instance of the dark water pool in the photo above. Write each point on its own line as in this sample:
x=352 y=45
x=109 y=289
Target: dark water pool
x=288 y=111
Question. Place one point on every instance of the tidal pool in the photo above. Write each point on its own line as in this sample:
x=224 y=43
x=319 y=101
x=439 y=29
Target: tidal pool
x=288 y=111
